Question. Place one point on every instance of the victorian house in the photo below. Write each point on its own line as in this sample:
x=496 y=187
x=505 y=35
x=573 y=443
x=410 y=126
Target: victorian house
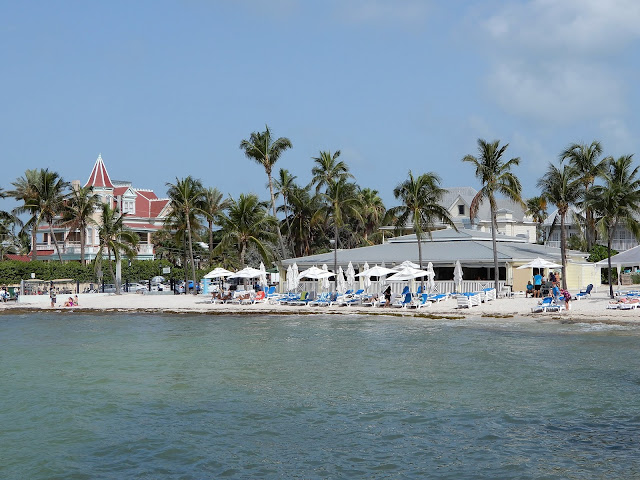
x=145 y=214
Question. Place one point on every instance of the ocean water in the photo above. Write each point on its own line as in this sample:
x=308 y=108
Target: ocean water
x=118 y=396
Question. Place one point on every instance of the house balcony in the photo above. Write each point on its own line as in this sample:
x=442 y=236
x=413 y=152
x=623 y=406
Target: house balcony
x=72 y=249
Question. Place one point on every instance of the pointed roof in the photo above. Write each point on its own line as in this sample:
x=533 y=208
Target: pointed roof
x=99 y=176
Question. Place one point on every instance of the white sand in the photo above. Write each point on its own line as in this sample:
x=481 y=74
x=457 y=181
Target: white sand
x=593 y=309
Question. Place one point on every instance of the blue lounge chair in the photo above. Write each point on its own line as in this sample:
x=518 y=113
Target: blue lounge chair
x=423 y=301
x=585 y=292
x=403 y=301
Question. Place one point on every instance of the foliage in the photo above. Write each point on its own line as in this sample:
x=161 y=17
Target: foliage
x=599 y=252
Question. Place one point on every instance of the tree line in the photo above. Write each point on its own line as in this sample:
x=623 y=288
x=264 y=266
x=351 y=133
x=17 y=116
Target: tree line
x=330 y=212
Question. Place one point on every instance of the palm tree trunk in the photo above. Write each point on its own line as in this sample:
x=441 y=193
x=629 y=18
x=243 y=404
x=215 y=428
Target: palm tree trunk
x=273 y=205
x=82 y=241
x=34 y=233
x=193 y=266
x=419 y=238
x=335 y=254
x=113 y=275
x=609 y=232
x=55 y=241
x=118 y=273
x=563 y=248
x=210 y=240
x=494 y=244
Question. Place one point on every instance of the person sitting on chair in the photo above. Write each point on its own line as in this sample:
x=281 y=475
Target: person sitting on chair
x=529 y=289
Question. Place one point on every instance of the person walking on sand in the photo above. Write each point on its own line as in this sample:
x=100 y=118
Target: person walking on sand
x=387 y=296
x=52 y=296
x=75 y=300
x=567 y=299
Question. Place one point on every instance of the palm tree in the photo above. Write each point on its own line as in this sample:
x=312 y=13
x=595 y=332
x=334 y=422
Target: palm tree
x=373 y=211
x=266 y=152
x=212 y=207
x=420 y=198
x=585 y=160
x=537 y=208
x=284 y=185
x=25 y=191
x=116 y=239
x=328 y=169
x=496 y=178
x=43 y=194
x=561 y=187
x=187 y=200
x=247 y=223
x=303 y=222
x=77 y=213
x=616 y=201
x=341 y=202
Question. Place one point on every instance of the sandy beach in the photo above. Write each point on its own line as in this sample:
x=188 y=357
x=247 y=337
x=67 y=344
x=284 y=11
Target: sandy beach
x=591 y=310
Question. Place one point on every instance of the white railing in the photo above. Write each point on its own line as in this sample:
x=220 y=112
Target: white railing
x=441 y=286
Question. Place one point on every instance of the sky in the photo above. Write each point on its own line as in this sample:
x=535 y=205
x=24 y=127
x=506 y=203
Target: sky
x=165 y=89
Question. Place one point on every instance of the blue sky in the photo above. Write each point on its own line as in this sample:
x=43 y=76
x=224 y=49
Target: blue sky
x=166 y=89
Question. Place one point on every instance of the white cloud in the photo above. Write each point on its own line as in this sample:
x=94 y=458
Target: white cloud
x=559 y=60
x=557 y=92
x=617 y=136
x=577 y=26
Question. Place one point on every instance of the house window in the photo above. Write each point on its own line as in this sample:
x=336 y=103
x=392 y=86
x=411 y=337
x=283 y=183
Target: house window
x=128 y=206
x=460 y=209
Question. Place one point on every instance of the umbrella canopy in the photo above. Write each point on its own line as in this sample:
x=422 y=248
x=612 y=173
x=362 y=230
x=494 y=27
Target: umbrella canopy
x=293 y=278
x=539 y=263
x=315 y=273
x=407 y=263
x=431 y=275
x=457 y=276
x=376 y=271
x=158 y=279
x=262 y=280
x=247 y=272
x=367 y=279
x=289 y=278
x=351 y=276
x=325 y=280
x=341 y=282
x=218 y=272
x=407 y=273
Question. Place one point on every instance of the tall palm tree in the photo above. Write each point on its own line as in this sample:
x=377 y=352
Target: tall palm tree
x=303 y=222
x=78 y=211
x=373 y=211
x=187 y=199
x=213 y=206
x=247 y=223
x=616 y=201
x=25 y=191
x=561 y=187
x=496 y=178
x=116 y=239
x=328 y=169
x=265 y=151
x=585 y=160
x=341 y=202
x=43 y=194
x=537 y=208
x=420 y=198
x=284 y=184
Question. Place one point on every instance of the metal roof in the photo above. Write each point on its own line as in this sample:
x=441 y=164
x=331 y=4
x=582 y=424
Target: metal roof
x=471 y=247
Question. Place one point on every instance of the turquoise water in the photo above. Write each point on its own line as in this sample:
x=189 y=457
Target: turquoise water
x=149 y=396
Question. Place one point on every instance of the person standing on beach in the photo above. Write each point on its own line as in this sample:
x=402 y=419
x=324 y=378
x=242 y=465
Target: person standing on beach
x=537 y=284
x=387 y=296
x=52 y=296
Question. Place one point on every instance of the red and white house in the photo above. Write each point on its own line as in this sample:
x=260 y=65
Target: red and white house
x=145 y=214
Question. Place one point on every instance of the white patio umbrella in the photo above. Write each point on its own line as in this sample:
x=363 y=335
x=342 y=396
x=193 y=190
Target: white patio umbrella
x=457 y=276
x=407 y=263
x=407 y=273
x=218 y=272
x=313 y=273
x=431 y=275
x=325 y=280
x=367 y=279
x=341 y=282
x=351 y=277
x=377 y=271
x=289 y=278
x=295 y=277
x=247 y=272
x=539 y=263
x=262 y=281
